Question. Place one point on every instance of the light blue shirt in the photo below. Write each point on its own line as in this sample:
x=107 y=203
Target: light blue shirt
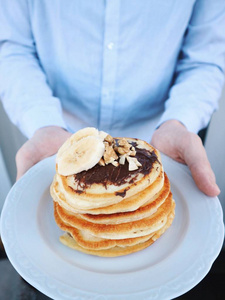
x=111 y=63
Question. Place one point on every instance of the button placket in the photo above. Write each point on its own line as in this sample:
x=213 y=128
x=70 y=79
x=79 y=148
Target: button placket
x=109 y=68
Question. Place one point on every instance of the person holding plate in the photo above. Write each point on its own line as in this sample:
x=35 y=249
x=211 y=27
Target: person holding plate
x=150 y=69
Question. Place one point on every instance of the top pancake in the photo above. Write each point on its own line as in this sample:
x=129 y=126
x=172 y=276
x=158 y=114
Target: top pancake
x=86 y=190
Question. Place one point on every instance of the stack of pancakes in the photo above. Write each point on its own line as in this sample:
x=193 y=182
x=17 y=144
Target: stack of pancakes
x=114 y=209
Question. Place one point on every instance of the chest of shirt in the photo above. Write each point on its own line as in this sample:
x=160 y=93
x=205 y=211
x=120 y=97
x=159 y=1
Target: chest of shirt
x=87 y=38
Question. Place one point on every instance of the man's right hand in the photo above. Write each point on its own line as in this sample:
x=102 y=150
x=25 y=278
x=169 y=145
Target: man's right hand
x=45 y=142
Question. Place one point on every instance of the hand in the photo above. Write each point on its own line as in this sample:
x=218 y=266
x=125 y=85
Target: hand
x=45 y=142
x=173 y=139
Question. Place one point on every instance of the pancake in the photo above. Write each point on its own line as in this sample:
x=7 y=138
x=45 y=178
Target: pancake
x=116 y=202
x=114 y=251
x=143 y=211
x=119 y=231
x=89 y=241
x=128 y=204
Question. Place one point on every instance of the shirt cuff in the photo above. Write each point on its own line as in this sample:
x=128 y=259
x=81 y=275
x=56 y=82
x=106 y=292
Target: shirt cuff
x=189 y=119
x=41 y=116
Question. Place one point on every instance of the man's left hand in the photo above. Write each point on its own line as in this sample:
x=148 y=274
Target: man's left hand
x=173 y=139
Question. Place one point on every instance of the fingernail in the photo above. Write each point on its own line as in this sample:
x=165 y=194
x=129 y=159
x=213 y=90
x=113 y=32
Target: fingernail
x=217 y=189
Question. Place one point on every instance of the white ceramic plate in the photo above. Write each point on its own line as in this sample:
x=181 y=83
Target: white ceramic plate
x=170 y=267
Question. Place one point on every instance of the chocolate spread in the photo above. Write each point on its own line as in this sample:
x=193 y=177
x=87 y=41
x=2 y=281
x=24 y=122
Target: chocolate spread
x=110 y=174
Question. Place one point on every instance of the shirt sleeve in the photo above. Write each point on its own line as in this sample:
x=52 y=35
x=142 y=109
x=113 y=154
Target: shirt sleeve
x=199 y=74
x=24 y=90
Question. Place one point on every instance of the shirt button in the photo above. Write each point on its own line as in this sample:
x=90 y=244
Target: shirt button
x=110 y=46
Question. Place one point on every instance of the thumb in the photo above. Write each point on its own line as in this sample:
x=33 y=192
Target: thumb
x=196 y=158
x=44 y=143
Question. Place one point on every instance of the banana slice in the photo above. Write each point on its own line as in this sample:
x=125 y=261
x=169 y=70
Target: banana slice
x=80 y=134
x=102 y=134
x=80 y=156
x=67 y=144
x=88 y=131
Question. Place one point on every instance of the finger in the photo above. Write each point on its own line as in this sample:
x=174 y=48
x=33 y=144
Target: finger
x=196 y=158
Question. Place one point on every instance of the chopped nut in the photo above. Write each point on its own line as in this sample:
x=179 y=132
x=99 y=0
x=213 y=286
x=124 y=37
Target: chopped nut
x=109 y=139
x=124 y=143
x=115 y=163
x=138 y=163
x=132 y=151
x=121 y=150
x=139 y=146
x=109 y=155
x=101 y=162
x=122 y=159
x=133 y=163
